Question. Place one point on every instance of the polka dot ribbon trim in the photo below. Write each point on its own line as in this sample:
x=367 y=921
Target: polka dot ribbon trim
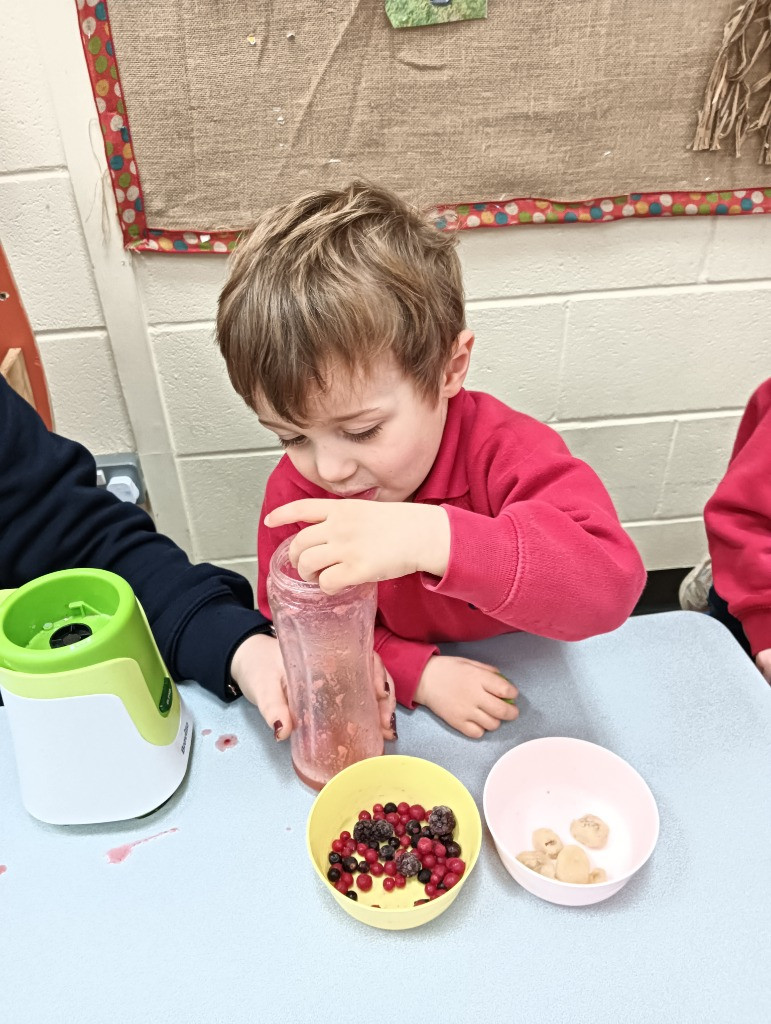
x=98 y=47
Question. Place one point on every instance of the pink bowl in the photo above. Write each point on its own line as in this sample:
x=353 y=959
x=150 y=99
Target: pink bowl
x=547 y=783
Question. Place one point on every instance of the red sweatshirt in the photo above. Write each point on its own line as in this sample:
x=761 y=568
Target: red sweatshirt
x=535 y=542
x=738 y=519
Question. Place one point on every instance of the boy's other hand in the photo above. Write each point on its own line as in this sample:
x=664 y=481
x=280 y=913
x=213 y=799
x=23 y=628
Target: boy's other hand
x=258 y=668
x=352 y=541
x=469 y=696
x=763 y=661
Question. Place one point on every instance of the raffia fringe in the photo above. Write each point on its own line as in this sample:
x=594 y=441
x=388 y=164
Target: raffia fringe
x=734 y=91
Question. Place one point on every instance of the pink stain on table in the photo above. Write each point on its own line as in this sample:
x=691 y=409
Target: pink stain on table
x=228 y=740
x=3 y=869
x=206 y=732
x=119 y=853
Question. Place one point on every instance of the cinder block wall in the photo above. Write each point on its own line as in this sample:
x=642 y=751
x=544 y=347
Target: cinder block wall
x=639 y=341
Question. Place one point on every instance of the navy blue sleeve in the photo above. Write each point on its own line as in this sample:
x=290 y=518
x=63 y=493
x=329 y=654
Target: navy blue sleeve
x=53 y=516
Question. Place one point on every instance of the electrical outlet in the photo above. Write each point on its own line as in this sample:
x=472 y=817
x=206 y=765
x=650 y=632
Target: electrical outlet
x=121 y=464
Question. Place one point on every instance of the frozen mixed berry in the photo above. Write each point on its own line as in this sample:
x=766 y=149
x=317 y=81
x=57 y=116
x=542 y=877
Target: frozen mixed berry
x=403 y=808
x=424 y=876
x=363 y=831
x=440 y=850
x=377 y=809
x=337 y=846
x=392 y=818
x=450 y=879
x=365 y=816
x=419 y=903
x=364 y=867
x=364 y=882
x=453 y=849
x=441 y=820
x=376 y=869
x=333 y=875
x=370 y=856
x=389 y=884
x=350 y=864
x=390 y=808
x=400 y=880
x=408 y=864
x=346 y=879
x=382 y=830
x=414 y=840
x=334 y=858
x=425 y=845
x=430 y=890
x=417 y=811
x=361 y=849
x=456 y=866
x=426 y=831
x=429 y=860
x=390 y=867
x=412 y=828
x=345 y=836
x=445 y=838
x=387 y=852
x=341 y=886
x=352 y=895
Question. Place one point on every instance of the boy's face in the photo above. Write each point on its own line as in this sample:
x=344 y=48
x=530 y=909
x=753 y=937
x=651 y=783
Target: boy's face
x=377 y=433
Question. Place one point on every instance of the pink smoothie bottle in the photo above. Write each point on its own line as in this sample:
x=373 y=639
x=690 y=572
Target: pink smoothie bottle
x=327 y=646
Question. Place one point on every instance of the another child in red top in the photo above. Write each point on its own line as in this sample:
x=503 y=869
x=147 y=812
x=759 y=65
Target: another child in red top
x=738 y=520
x=342 y=325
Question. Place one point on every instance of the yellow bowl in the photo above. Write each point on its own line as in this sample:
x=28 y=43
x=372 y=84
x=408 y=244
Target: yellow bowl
x=378 y=780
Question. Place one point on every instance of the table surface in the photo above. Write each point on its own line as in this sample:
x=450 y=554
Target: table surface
x=223 y=919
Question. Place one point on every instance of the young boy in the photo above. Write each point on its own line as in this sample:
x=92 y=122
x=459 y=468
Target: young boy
x=738 y=521
x=342 y=326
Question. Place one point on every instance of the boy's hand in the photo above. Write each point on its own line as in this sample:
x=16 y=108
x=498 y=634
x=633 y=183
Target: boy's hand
x=763 y=661
x=354 y=541
x=258 y=668
x=469 y=696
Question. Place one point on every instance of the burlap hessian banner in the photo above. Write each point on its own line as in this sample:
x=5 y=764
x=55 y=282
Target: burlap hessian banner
x=236 y=106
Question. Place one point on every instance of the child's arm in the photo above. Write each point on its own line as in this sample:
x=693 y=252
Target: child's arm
x=551 y=558
x=738 y=521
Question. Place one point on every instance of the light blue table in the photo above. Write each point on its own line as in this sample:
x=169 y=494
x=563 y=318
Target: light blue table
x=223 y=921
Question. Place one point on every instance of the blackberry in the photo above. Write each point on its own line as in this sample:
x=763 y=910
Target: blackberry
x=335 y=858
x=350 y=864
x=382 y=829
x=363 y=832
x=453 y=849
x=424 y=876
x=333 y=875
x=364 y=867
x=441 y=820
x=390 y=808
x=352 y=895
x=413 y=827
x=409 y=864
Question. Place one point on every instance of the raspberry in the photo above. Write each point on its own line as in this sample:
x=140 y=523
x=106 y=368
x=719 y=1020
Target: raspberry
x=404 y=840
x=417 y=812
x=392 y=818
x=400 y=830
x=456 y=866
x=450 y=879
x=425 y=845
x=440 y=850
x=429 y=860
x=441 y=820
x=403 y=808
x=361 y=849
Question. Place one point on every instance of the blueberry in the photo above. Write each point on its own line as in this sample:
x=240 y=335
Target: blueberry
x=350 y=864
x=387 y=852
x=426 y=831
x=389 y=808
x=364 y=867
x=374 y=845
x=333 y=875
x=414 y=840
x=334 y=858
x=453 y=849
x=412 y=828
x=424 y=876
x=352 y=895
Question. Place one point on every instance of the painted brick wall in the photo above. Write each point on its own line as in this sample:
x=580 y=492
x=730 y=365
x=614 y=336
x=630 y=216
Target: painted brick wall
x=640 y=341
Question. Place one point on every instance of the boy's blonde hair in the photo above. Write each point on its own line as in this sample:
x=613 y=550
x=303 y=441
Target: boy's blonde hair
x=332 y=280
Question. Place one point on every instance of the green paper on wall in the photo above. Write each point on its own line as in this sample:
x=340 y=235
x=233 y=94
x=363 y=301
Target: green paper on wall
x=413 y=13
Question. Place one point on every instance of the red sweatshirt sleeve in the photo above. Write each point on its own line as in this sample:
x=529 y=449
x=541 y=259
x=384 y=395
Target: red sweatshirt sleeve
x=738 y=521
x=280 y=490
x=553 y=558
x=405 y=660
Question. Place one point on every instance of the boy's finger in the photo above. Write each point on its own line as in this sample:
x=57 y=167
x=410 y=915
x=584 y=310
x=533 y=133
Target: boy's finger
x=500 y=686
x=307 y=510
x=500 y=709
x=310 y=537
x=314 y=561
x=487 y=722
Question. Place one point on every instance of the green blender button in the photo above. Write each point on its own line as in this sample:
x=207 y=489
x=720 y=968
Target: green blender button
x=166 y=696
